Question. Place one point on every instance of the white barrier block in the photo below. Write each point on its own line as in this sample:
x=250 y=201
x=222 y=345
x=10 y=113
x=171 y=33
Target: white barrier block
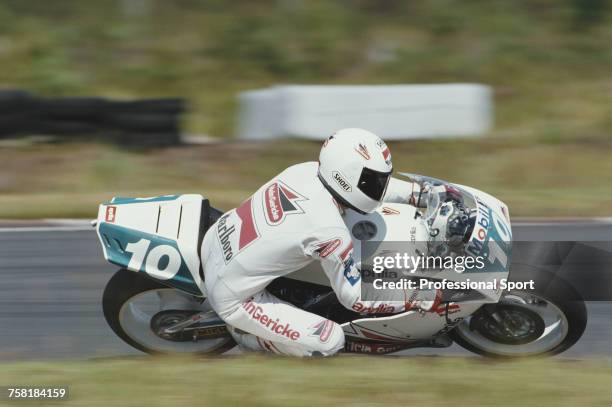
x=393 y=111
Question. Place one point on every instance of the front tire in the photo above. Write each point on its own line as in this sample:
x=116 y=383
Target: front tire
x=132 y=300
x=541 y=323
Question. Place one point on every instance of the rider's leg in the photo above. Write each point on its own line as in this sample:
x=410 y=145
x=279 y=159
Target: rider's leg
x=265 y=319
x=264 y=322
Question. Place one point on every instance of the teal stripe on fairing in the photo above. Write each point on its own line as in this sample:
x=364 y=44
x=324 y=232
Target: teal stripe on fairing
x=495 y=230
x=116 y=238
x=124 y=200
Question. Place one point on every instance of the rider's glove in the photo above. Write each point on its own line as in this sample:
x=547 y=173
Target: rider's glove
x=453 y=194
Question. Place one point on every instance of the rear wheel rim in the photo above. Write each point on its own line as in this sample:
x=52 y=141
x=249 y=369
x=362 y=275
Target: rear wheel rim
x=137 y=312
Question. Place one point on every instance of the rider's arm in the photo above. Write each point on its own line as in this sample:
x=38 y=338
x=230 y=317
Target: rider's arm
x=335 y=251
x=400 y=191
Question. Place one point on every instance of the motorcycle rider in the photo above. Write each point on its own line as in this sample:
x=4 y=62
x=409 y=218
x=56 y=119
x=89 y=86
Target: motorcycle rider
x=292 y=220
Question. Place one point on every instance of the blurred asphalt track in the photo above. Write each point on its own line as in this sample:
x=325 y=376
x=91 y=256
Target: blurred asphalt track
x=51 y=283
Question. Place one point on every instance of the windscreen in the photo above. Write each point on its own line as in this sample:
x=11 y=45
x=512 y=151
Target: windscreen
x=436 y=191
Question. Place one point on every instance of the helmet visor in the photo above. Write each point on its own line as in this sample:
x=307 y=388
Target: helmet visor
x=374 y=183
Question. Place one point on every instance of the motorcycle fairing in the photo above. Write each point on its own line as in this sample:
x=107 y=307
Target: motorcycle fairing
x=408 y=326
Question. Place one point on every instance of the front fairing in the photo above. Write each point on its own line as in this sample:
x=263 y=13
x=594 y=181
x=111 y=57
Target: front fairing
x=490 y=239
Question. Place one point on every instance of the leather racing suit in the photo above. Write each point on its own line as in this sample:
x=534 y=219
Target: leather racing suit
x=289 y=222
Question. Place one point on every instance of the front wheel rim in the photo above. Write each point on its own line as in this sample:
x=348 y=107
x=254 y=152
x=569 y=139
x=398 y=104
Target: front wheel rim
x=508 y=324
x=556 y=328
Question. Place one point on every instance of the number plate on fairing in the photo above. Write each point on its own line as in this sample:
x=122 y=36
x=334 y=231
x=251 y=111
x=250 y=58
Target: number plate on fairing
x=156 y=256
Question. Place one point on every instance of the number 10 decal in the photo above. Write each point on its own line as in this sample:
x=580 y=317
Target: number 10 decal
x=152 y=259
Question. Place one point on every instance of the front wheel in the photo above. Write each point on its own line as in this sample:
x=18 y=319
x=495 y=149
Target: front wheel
x=525 y=324
x=137 y=309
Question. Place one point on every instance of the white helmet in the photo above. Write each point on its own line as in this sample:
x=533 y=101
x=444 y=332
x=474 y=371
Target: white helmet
x=355 y=167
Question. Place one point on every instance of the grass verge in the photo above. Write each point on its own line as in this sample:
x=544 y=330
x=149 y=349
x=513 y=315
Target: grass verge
x=535 y=177
x=355 y=381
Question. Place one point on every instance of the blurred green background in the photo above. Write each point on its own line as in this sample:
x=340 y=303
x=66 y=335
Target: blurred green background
x=549 y=63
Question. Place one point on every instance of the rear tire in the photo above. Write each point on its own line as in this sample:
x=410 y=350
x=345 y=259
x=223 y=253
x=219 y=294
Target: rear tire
x=124 y=286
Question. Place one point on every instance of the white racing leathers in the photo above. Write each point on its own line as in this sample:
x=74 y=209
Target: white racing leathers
x=290 y=221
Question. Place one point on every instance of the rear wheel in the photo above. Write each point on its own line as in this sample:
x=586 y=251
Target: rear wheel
x=138 y=309
x=525 y=324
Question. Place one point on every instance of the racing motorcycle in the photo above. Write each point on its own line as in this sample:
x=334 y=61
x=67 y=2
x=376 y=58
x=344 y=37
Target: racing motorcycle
x=156 y=301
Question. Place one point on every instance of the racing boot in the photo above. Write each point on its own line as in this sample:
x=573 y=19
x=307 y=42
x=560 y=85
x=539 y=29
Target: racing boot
x=246 y=342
